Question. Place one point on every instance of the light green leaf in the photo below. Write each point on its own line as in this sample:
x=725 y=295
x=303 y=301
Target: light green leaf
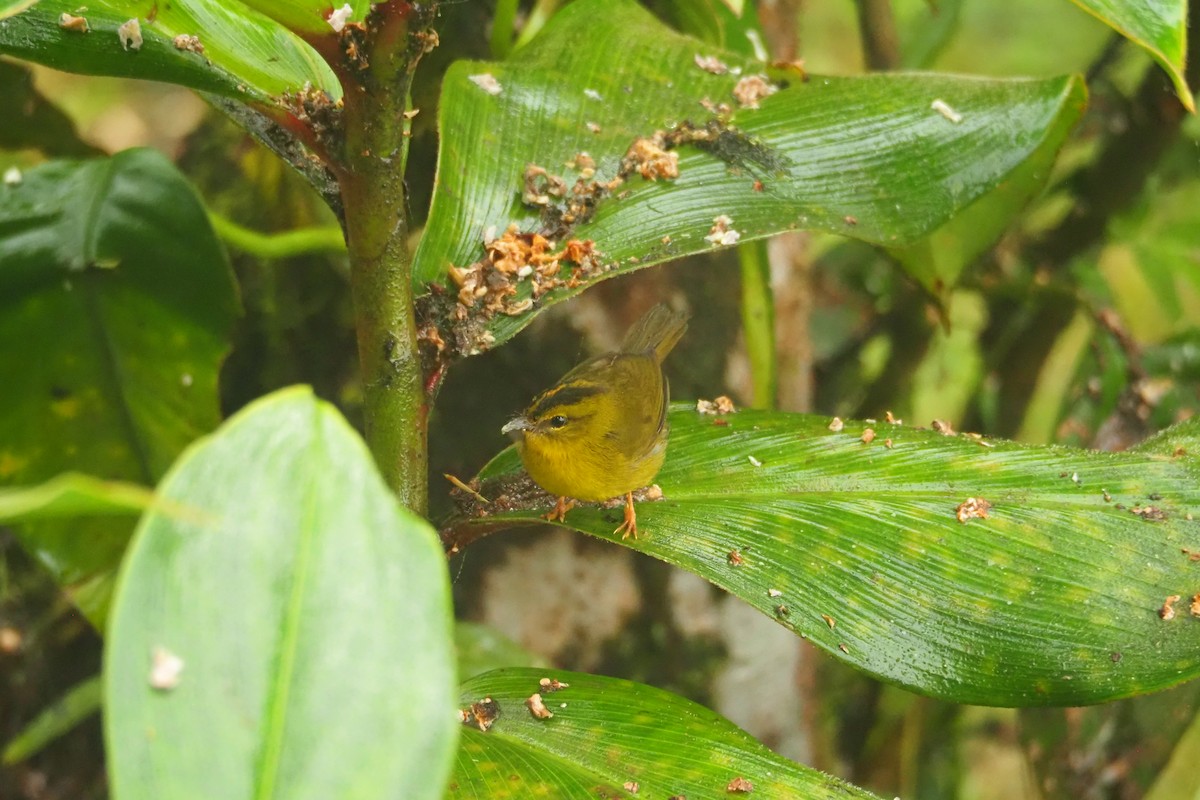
x=111 y=334
x=869 y=157
x=482 y=648
x=310 y=616
x=310 y=17
x=1157 y=26
x=607 y=734
x=72 y=495
x=10 y=7
x=245 y=55
x=1052 y=599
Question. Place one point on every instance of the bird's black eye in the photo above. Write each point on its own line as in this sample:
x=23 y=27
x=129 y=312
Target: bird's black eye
x=557 y=421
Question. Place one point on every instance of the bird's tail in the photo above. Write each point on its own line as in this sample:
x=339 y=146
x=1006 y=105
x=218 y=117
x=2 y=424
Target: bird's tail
x=658 y=331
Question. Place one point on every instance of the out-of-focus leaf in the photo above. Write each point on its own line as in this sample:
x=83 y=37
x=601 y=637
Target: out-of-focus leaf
x=482 y=648
x=1157 y=26
x=1053 y=599
x=115 y=304
x=72 y=495
x=32 y=121
x=74 y=707
x=607 y=734
x=868 y=157
x=928 y=33
x=296 y=632
x=245 y=55
x=1055 y=377
x=1180 y=780
x=730 y=26
x=10 y=7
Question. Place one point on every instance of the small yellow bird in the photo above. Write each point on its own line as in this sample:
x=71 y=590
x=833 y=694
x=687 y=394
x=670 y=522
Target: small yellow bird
x=601 y=431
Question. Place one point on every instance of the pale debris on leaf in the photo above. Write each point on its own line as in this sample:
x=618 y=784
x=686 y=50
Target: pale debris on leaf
x=537 y=707
x=592 y=94
x=631 y=786
x=972 y=508
x=752 y=88
x=552 y=684
x=722 y=232
x=943 y=108
x=1167 y=612
x=165 y=669
x=836 y=424
x=754 y=461
x=868 y=435
x=830 y=621
x=943 y=427
x=338 y=17
x=486 y=81
x=740 y=785
x=188 y=42
x=774 y=593
x=130 y=34
x=1194 y=608
x=711 y=64
x=70 y=22
x=13 y=176
x=481 y=714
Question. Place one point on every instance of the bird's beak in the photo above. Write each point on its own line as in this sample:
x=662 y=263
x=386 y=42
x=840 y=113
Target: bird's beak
x=516 y=427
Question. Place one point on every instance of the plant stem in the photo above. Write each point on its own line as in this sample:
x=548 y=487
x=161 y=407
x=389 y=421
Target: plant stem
x=877 y=28
x=758 y=321
x=316 y=239
x=372 y=182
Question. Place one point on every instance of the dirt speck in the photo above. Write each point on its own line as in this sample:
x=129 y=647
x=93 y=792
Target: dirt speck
x=830 y=621
x=774 y=593
x=943 y=427
x=753 y=88
x=739 y=785
x=481 y=714
x=868 y=435
x=711 y=64
x=188 y=42
x=486 y=81
x=944 y=108
x=166 y=668
x=537 y=707
x=70 y=22
x=631 y=786
x=722 y=232
x=1167 y=612
x=836 y=424
x=972 y=508
x=1149 y=513
x=734 y=557
x=130 y=34
x=550 y=685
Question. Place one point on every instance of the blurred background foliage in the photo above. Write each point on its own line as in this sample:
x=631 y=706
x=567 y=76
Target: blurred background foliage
x=1081 y=326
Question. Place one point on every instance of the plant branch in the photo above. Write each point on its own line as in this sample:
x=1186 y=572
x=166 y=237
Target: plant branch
x=371 y=175
x=877 y=28
x=316 y=239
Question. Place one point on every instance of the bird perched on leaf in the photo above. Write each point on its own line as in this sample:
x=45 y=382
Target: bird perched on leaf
x=601 y=431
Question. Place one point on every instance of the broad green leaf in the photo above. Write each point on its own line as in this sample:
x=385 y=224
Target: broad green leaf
x=310 y=616
x=868 y=157
x=1180 y=780
x=245 y=55
x=115 y=304
x=1157 y=26
x=74 y=707
x=717 y=22
x=1052 y=599
x=607 y=734
x=72 y=495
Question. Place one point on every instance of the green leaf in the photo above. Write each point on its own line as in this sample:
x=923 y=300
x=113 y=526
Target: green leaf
x=1157 y=26
x=607 y=732
x=74 y=707
x=1053 y=599
x=482 y=648
x=867 y=157
x=309 y=16
x=72 y=495
x=245 y=55
x=111 y=335
x=310 y=614
x=10 y=7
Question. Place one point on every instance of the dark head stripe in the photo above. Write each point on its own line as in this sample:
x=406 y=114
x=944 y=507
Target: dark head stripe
x=565 y=395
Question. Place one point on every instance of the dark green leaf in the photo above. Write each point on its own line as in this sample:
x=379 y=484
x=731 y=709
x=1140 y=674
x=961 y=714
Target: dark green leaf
x=310 y=615
x=36 y=123
x=867 y=157
x=1157 y=26
x=245 y=55
x=74 y=707
x=1053 y=599
x=115 y=304
x=606 y=733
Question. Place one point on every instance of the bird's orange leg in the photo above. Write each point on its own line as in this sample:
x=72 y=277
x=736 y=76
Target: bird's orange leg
x=629 y=526
x=559 y=512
